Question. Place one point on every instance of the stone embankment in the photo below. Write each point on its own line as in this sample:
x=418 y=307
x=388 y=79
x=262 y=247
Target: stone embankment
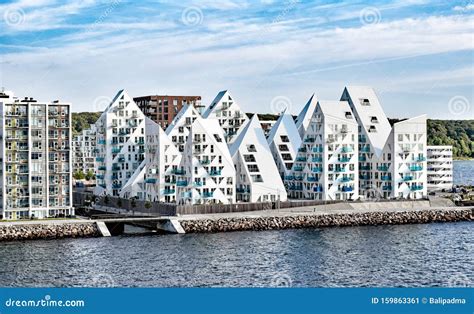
x=326 y=220
x=30 y=231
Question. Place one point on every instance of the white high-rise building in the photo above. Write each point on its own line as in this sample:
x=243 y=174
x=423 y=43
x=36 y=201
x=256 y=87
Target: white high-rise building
x=326 y=166
x=84 y=150
x=226 y=110
x=440 y=167
x=206 y=173
x=35 y=148
x=257 y=176
x=120 y=144
x=284 y=141
x=392 y=160
x=179 y=128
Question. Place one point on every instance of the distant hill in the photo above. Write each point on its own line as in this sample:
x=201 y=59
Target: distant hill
x=458 y=133
x=82 y=120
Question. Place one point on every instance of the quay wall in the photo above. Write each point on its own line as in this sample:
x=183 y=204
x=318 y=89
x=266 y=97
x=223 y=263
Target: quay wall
x=325 y=220
x=48 y=230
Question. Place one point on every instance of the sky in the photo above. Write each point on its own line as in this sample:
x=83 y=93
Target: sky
x=418 y=55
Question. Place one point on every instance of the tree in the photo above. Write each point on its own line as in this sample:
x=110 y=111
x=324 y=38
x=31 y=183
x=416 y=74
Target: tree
x=79 y=175
x=90 y=175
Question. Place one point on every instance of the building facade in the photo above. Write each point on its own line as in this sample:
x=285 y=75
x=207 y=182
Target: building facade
x=84 y=150
x=163 y=108
x=326 y=165
x=35 y=147
x=440 y=167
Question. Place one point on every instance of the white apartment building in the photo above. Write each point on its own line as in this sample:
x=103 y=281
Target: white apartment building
x=180 y=127
x=304 y=117
x=284 y=141
x=206 y=173
x=392 y=160
x=35 y=148
x=326 y=165
x=120 y=144
x=226 y=110
x=84 y=150
x=440 y=167
x=257 y=176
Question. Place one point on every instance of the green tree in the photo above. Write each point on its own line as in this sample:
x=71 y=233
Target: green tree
x=90 y=175
x=79 y=175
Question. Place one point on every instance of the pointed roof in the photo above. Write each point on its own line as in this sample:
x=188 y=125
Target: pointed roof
x=180 y=118
x=337 y=109
x=304 y=117
x=285 y=125
x=213 y=104
x=366 y=105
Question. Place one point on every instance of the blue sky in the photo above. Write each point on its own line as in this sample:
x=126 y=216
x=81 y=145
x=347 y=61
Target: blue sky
x=417 y=54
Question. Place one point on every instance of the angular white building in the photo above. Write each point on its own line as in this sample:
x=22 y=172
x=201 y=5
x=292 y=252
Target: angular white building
x=120 y=144
x=84 y=150
x=35 y=150
x=440 y=167
x=392 y=160
x=284 y=141
x=206 y=173
x=257 y=176
x=326 y=166
x=226 y=110
x=180 y=127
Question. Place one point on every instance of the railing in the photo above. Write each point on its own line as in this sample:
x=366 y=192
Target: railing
x=150 y=180
x=416 y=168
x=317 y=159
x=383 y=168
x=317 y=170
x=182 y=183
x=215 y=172
x=347 y=149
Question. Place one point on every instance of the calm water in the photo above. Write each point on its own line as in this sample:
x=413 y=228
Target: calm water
x=409 y=255
x=463 y=172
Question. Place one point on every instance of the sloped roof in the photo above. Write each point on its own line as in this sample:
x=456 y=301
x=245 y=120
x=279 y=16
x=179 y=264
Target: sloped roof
x=304 y=117
x=180 y=118
x=337 y=109
x=285 y=125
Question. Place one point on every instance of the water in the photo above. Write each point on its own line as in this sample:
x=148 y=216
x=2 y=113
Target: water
x=463 y=172
x=405 y=255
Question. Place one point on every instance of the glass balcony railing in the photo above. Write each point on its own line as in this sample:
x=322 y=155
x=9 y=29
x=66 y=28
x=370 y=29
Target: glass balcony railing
x=182 y=183
x=382 y=168
x=317 y=159
x=150 y=180
x=318 y=189
x=416 y=168
x=317 y=170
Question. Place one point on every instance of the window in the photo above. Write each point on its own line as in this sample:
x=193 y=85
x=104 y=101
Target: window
x=251 y=148
x=253 y=168
x=284 y=139
x=364 y=102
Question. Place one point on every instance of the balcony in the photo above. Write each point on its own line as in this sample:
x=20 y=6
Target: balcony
x=365 y=149
x=116 y=186
x=346 y=179
x=318 y=189
x=179 y=172
x=317 y=149
x=420 y=159
x=296 y=188
x=100 y=176
x=383 y=168
x=340 y=170
x=197 y=183
x=317 y=170
x=298 y=168
x=302 y=150
x=301 y=159
x=102 y=168
x=312 y=179
x=150 y=180
x=309 y=140
x=407 y=178
x=387 y=188
x=347 y=189
x=416 y=187
x=205 y=162
x=416 y=168
x=100 y=159
x=362 y=139
x=365 y=168
x=344 y=159
x=114 y=176
x=362 y=158
x=182 y=183
x=215 y=172
x=121 y=159
x=101 y=142
x=243 y=190
x=289 y=177
x=386 y=178
x=347 y=149
x=364 y=177
x=167 y=191
x=207 y=194
x=317 y=159
x=116 y=167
